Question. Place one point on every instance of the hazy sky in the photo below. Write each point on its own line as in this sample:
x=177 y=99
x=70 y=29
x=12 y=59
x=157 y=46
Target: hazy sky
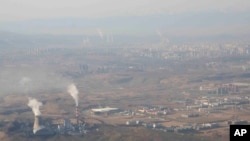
x=174 y=17
x=16 y=10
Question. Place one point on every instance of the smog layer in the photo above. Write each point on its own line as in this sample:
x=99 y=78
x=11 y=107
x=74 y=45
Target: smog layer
x=110 y=87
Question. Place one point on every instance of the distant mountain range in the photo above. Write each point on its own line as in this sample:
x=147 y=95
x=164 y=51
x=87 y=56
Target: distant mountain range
x=190 y=25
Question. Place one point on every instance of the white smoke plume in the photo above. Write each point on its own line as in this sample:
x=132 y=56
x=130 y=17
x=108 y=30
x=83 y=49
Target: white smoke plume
x=25 y=83
x=100 y=33
x=34 y=104
x=72 y=90
x=24 y=80
x=159 y=34
x=163 y=39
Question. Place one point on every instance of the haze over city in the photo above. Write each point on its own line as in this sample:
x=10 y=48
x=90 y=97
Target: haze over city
x=173 y=18
x=112 y=70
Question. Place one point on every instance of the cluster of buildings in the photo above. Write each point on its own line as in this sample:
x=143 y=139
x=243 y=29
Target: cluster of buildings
x=212 y=104
x=177 y=129
x=192 y=50
x=193 y=108
x=59 y=127
x=221 y=89
x=153 y=110
x=64 y=126
x=78 y=127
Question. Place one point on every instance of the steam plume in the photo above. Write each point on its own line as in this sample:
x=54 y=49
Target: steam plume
x=25 y=83
x=100 y=33
x=159 y=34
x=72 y=90
x=34 y=104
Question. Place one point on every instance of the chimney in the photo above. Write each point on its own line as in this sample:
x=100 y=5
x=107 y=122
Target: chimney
x=36 y=126
x=77 y=115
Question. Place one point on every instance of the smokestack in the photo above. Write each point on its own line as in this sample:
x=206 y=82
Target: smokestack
x=36 y=126
x=34 y=105
x=72 y=90
x=77 y=115
x=36 y=123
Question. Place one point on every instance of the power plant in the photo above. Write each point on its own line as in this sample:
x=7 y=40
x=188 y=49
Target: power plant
x=67 y=127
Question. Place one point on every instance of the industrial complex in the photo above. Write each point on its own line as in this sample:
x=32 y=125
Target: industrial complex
x=66 y=126
x=146 y=115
